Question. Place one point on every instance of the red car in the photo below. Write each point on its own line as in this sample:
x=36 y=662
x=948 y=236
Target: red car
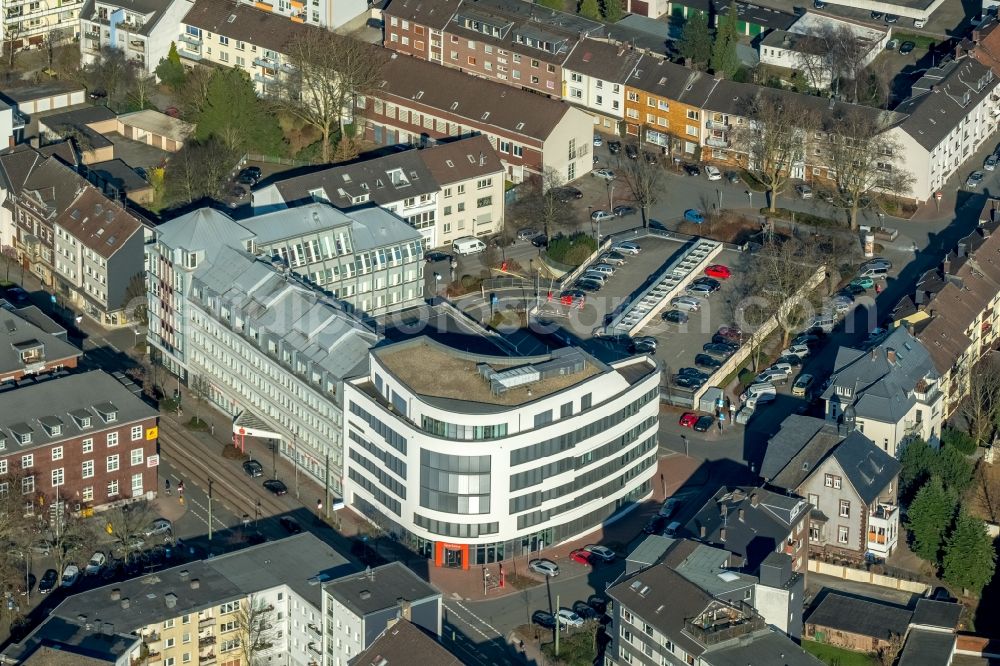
x=580 y=555
x=718 y=271
x=688 y=419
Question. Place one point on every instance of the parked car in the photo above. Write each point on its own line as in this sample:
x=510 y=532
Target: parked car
x=70 y=575
x=907 y=47
x=253 y=468
x=606 y=174
x=670 y=507
x=675 y=317
x=798 y=350
x=725 y=339
x=974 y=179
x=541 y=240
x=601 y=216
x=544 y=567
x=802 y=384
x=651 y=158
x=692 y=169
x=891 y=18
x=707 y=361
x=689 y=381
x=249 y=175
x=804 y=191
x=791 y=360
x=527 y=234
x=701 y=290
x=622 y=211
x=718 y=271
x=631 y=151
x=771 y=376
x=644 y=344
x=434 y=256
x=613 y=258
x=689 y=303
x=991 y=163
x=567 y=617
x=158 y=527
x=580 y=556
x=585 y=611
x=275 y=486
x=96 y=564
x=711 y=283
x=692 y=372
x=713 y=173
x=614 y=147
x=863 y=282
x=723 y=349
x=602 y=552
x=755 y=391
x=919 y=22
x=627 y=247
x=48 y=581
x=704 y=423
x=733 y=177
x=688 y=419
x=655 y=525
x=892 y=45
x=585 y=284
x=566 y=193
x=598 y=141
x=543 y=619
x=291 y=525
x=732 y=334
x=694 y=215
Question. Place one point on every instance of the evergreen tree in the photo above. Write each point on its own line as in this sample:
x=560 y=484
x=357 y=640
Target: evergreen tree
x=612 y=10
x=724 y=58
x=917 y=461
x=930 y=516
x=953 y=468
x=969 y=558
x=236 y=116
x=696 y=40
x=589 y=9
x=170 y=70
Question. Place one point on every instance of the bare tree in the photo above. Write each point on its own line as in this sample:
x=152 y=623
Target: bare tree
x=542 y=202
x=987 y=493
x=200 y=390
x=886 y=653
x=50 y=41
x=981 y=406
x=781 y=268
x=127 y=524
x=194 y=92
x=774 y=137
x=329 y=73
x=255 y=625
x=644 y=180
x=136 y=300
x=67 y=537
x=863 y=158
x=12 y=42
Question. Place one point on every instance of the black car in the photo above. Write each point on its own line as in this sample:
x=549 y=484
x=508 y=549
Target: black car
x=907 y=47
x=645 y=344
x=676 y=316
x=435 y=256
x=707 y=361
x=16 y=294
x=791 y=359
x=877 y=16
x=719 y=348
x=651 y=158
x=720 y=339
x=703 y=423
x=587 y=285
x=711 y=283
x=622 y=211
x=689 y=382
x=599 y=604
x=853 y=290
x=290 y=524
x=543 y=619
x=733 y=177
x=566 y=194
x=249 y=176
x=692 y=169
x=584 y=610
x=615 y=147
x=631 y=151
x=276 y=487
x=253 y=468
x=49 y=580
x=256 y=538
x=540 y=241
x=692 y=372
x=656 y=525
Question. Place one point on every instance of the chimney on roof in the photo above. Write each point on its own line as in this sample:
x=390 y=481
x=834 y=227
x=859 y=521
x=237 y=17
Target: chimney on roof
x=195 y=583
x=723 y=509
x=754 y=500
x=874 y=350
x=743 y=515
x=963 y=249
x=405 y=610
x=722 y=534
x=126 y=603
x=116 y=594
x=946 y=264
x=890 y=355
x=702 y=531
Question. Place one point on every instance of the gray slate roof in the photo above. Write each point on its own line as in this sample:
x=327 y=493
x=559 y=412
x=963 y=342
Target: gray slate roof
x=603 y=60
x=869 y=468
x=796 y=433
x=370 y=227
x=942 y=614
x=403 y=644
x=23 y=408
x=387 y=584
x=16 y=332
x=881 y=389
x=766 y=648
x=927 y=648
x=708 y=568
x=152 y=9
x=764 y=528
x=85 y=647
x=942 y=98
x=855 y=615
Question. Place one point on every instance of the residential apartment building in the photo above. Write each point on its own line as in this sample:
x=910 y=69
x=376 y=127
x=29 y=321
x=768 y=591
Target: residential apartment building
x=513 y=42
x=83 y=440
x=246 y=36
x=329 y=14
x=359 y=609
x=226 y=308
x=28 y=24
x=665 y=105
x=196 y=613
x=141 y=29
x=752 y=523
x=890 y=392
x=951 y=112
x=475 y=459
x=445 y=191
x=403 y=642
x=420 y=101
x=955 y=311
x=85 y=248
x=661 y=617
x=27 y=349
x=851 y=484
x=594 y=78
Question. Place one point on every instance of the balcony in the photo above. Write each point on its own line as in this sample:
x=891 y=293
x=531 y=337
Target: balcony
x=206 y=622
x=883 y=529
x=265 y=79
x=204 y=641
x=316 y=630
x=717 y=142
x=313 y=648
x=717 y=125
x=191 y=39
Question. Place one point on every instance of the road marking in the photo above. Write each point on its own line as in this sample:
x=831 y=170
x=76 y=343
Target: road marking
x=484 y=622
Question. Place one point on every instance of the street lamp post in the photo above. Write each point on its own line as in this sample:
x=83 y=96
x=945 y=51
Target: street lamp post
x=718 y=191
x=611 y=197
x=750 y=197
x=210 y=483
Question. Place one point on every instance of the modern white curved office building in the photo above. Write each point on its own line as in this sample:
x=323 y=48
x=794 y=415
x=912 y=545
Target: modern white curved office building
x=474 y=459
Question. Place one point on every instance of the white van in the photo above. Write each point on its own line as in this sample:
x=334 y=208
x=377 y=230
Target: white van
x=825 y=323
x=874 y=272
x=468 y=245
x=757 y=391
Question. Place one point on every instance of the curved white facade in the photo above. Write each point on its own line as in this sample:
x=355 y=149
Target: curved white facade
x=471 y=480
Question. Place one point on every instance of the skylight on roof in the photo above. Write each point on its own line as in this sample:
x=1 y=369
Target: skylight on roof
x=450 y=163
x=728 y=576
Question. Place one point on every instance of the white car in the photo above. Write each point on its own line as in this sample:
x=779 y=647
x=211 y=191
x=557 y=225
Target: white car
x=96 y=564
x=544 y=567
x=602 y=552
x=70 y=575
x=159 y=526
x=797 y=350
x=689 y=303
x=713 y=173
x=919 y=23
x=601 y=216
x=569 y=618
x=991 y=163
x=598 y=141
x=606 y=174
x=627 y=247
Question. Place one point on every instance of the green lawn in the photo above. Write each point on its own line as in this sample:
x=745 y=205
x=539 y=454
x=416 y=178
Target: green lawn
x=835 y=656
x=922 y=41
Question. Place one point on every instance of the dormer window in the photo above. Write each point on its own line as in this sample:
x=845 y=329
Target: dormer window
x=81 y=418
x=107 y=411
x=30 y=351
x=22 y=431
x=51 y=425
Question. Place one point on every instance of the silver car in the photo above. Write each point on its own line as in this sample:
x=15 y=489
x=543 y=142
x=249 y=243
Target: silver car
x=544 y=567
x=974 y=179
x=689 y=303
x=991 y=163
